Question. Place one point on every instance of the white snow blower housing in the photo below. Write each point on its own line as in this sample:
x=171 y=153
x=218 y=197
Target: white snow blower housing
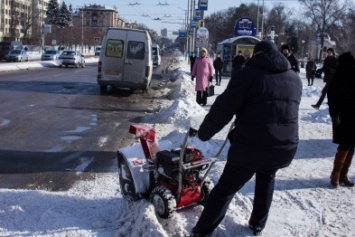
x=171 y=179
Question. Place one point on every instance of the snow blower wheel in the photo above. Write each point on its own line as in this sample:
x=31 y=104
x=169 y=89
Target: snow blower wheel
x=163 y=201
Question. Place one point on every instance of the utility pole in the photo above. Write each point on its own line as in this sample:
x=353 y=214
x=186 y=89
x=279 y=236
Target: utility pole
x=82 y=30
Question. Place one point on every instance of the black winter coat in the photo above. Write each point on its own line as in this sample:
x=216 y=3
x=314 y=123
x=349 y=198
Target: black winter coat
x=311 y=69
x=329 y=66
x=264 y=96
x=218 y=63
x=341 y=101
x=293 y=61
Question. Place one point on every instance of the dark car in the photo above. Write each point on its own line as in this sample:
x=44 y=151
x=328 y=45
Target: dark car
x=70 y=57
x=17 y=55
x=6 y=47
x=318 y=73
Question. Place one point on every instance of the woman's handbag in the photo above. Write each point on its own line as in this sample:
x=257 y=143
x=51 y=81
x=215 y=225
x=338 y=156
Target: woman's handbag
x=210 y=90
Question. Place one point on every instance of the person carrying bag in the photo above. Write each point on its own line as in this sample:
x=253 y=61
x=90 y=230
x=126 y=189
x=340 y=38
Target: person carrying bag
x=202 y=71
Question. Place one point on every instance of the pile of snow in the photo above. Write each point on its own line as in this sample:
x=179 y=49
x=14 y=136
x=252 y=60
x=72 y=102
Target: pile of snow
x=304 y=203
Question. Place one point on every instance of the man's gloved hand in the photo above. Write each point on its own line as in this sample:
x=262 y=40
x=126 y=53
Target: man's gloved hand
x=192 y=78
x=192 y=132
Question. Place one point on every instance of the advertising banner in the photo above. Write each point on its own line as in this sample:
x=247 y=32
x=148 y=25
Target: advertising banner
x=202 y=35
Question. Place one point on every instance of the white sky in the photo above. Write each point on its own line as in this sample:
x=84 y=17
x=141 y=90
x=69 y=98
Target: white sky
x=304 y=203
x=172 y=15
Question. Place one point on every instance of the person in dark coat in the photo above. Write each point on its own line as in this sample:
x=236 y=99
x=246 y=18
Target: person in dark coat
x=329 y=66
x=264 y=97
x=311 y=68
x=218 y=66
x=192 y=62
x=285 y=49
x=238 y=62
x=341 y=101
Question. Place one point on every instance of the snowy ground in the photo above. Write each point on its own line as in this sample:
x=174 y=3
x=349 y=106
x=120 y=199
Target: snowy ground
x=304 y=203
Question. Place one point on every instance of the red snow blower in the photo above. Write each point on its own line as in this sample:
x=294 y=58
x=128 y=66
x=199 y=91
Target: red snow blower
x=170 y=179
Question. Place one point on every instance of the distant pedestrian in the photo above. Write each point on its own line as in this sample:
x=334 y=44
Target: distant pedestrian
x=192 y=59
x=264 y=97
x=285 y=49
x=218 y=66
x=341 y=101
x=238 y=62
x=329 y=66
x=311 y=68
x=203 y=71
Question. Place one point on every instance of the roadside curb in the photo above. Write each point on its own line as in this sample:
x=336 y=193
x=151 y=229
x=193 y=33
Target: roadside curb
x=4 y=67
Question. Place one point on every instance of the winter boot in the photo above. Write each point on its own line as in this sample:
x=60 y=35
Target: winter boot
x=257 y=231
x=343 y=179
x=337 y=167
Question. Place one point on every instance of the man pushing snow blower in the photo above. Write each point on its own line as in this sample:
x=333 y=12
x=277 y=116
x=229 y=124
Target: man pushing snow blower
x=264 y=96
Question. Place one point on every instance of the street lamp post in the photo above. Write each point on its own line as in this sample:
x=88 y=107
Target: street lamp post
x=302 y=49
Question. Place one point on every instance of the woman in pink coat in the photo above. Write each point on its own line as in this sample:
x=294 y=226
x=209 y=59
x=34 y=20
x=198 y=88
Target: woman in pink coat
x=203 y=71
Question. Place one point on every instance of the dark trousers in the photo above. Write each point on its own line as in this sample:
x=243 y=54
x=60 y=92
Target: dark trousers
x=232 y=180
x=218 y=76
x=201 y=97
x=322 y=96
x=310 y=80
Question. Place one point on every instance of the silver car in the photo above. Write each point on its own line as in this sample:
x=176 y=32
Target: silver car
x=71 y=57
x=17 y=55
x=51 y=54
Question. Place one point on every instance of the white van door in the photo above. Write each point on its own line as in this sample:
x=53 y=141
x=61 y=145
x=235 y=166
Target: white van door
x=135 y=57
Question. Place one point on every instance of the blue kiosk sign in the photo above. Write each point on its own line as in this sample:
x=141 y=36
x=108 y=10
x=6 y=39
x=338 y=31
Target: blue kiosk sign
x=244 y=27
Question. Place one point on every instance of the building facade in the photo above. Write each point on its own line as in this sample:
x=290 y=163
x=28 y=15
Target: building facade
x=21 y=19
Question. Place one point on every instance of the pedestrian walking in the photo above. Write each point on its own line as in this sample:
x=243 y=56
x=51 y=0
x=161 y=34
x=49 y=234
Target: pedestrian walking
x=264 y=97
x=203 y=71
x=218 y=66
x=341 y=101
x=238 y=62
x=192 y=59
x=285 y=49
x=311 y=68
x=329 y=66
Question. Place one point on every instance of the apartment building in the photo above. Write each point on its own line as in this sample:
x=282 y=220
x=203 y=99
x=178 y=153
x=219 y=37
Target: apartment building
x=21 y=19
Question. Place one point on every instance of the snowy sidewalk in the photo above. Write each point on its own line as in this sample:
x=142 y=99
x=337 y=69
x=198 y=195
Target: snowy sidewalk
x=304 y=203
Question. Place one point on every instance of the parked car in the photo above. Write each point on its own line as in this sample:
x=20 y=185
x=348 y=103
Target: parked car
x=6 y=47
x=17 y=55
x=70 y=57
x=97 y=50
x=51 y=54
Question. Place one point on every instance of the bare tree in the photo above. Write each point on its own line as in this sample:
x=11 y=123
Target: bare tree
x=344 y=33
x=325 y=14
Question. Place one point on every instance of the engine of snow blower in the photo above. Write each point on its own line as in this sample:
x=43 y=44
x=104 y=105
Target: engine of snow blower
x=168 y=173
x=171 y=178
